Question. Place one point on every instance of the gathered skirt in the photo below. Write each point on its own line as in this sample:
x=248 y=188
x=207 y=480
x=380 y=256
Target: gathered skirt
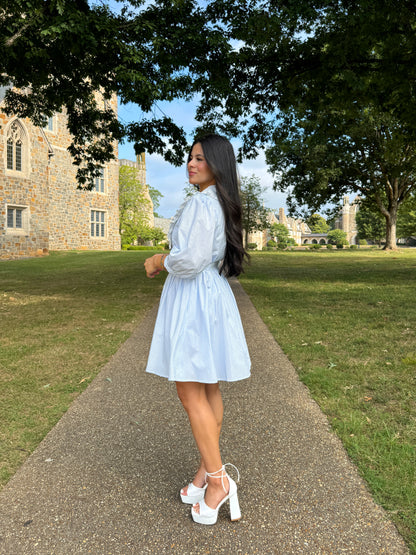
x=198 y=335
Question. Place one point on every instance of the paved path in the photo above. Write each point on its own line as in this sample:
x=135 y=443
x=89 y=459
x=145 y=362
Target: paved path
x=106 y=478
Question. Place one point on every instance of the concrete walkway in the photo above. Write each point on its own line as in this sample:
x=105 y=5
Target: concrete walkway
x=106 y=479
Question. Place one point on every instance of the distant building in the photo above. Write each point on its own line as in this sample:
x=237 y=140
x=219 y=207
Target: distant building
x=41 y=207
x=297 y=228
x=346 y=220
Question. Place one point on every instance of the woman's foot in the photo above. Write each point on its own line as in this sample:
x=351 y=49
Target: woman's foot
x=195 y=491
x=216 y=491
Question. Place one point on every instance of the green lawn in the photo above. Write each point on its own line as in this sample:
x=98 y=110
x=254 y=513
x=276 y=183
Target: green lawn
x=61 y=318
x=347 y=321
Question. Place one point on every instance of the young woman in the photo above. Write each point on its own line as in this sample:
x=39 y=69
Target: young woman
x=198 y=338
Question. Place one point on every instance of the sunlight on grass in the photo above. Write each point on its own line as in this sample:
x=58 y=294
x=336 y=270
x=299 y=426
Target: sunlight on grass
x=61 y=319
x=347 y=322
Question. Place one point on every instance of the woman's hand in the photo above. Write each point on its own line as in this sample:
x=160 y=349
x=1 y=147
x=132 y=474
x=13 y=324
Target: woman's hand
x=153 y=265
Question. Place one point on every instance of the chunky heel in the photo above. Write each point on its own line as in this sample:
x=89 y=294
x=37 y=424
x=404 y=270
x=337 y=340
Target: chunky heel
x=206 y=515
x=235 y=513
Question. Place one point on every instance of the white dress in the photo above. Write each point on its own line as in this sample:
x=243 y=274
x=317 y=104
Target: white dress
x=198 y=335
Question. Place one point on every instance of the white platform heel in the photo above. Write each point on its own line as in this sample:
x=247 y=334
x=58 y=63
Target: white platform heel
x=206 y=515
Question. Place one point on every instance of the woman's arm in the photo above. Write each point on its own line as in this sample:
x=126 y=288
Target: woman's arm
x=154 y=265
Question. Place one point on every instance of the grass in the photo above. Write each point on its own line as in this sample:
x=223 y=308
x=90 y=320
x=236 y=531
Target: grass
x=345 y=319
x=347 y=322
x=61 y=319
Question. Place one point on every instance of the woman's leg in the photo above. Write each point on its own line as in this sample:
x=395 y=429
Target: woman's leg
x=214 y=398
x=204 y=408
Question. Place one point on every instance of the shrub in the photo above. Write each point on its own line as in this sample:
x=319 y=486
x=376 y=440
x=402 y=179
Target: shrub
x=140 y=248
x=362 y=242
x=314 y=247
x=329 y=246
x=339 y=246
x=353 y=247
x=251 y=246
x=271 y=243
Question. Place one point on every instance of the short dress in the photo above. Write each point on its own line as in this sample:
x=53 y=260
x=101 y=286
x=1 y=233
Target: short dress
x=198 y=335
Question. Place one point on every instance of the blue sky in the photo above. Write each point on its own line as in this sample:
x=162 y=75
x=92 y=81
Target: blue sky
x=171 y=181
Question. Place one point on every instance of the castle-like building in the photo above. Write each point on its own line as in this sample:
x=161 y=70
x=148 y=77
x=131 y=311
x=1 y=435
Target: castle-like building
x=302 y=234
x=41 y=207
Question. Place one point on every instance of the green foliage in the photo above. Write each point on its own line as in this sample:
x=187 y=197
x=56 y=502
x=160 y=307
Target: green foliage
x=406 y=224
x=370 y=223
x=135 y=209
x=251 y=246
x=155 y=195
x=271 y=243
x=317 y=224
x=59 y=53
x=329 y=246
x=314 y=247
x=337 y=237
x=254 y=216
x=337 y=112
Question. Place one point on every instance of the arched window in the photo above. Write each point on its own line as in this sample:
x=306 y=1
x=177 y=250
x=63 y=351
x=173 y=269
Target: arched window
x=15 y=152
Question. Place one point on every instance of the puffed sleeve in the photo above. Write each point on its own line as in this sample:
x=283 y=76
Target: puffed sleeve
x=192 y=238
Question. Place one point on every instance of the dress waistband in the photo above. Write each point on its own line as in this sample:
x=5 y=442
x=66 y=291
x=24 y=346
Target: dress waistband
x=213 y=266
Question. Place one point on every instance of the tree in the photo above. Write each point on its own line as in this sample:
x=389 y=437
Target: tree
x=370 y=224
x=327 y=87
x=317 y=224
x=134 y=207
x=406 y=226
x=155 y=195
x=254 y=213
x=337 y=237
x=58 y=53
x=280 y=234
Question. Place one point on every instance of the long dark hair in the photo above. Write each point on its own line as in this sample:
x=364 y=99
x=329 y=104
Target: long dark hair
x=220 y=157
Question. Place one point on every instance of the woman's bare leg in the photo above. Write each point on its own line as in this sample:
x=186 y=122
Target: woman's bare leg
x=203 y=404
x=214 y=398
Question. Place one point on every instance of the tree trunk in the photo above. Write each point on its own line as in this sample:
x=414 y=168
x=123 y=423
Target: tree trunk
x=391 y=223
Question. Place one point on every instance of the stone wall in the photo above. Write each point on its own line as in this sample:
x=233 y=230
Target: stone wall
x=57 y=214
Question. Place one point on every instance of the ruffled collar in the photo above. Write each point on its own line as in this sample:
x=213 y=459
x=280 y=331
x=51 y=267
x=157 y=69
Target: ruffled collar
x=211 y=191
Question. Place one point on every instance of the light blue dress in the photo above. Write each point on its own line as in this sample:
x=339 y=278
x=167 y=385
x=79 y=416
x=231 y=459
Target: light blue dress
x=198 y=335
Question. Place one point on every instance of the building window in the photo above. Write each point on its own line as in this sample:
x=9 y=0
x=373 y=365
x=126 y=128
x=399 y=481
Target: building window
x=99 y=182
x=97 y=223
x=16 y=139
x=50 y=124
x=17 y=219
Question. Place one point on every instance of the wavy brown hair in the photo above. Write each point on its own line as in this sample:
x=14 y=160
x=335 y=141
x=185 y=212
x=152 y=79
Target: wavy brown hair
x=220 y=157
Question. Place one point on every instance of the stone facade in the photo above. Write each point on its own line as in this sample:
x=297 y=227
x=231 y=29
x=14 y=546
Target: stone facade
x=297 y=228
x=346 y=220
x=41 y=208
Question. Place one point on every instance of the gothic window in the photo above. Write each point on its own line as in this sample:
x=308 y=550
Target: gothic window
x=15 y=152
x=99 y=182
x=98 y=223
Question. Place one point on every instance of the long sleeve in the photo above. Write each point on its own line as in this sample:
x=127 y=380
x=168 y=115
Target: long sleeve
x=193 y=238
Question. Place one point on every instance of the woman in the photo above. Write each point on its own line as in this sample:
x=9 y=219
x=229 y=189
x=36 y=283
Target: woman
x=198 y=338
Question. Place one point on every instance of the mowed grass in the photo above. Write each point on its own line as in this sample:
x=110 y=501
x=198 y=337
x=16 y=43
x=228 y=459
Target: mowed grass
x=61 y=319
x=347 y=321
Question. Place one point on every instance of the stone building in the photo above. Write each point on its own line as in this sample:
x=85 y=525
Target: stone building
x=41 y=208
x=297 y=228
x=346 y=220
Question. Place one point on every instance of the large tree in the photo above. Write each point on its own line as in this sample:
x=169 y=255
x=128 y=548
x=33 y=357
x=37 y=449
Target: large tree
x=329 y=88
